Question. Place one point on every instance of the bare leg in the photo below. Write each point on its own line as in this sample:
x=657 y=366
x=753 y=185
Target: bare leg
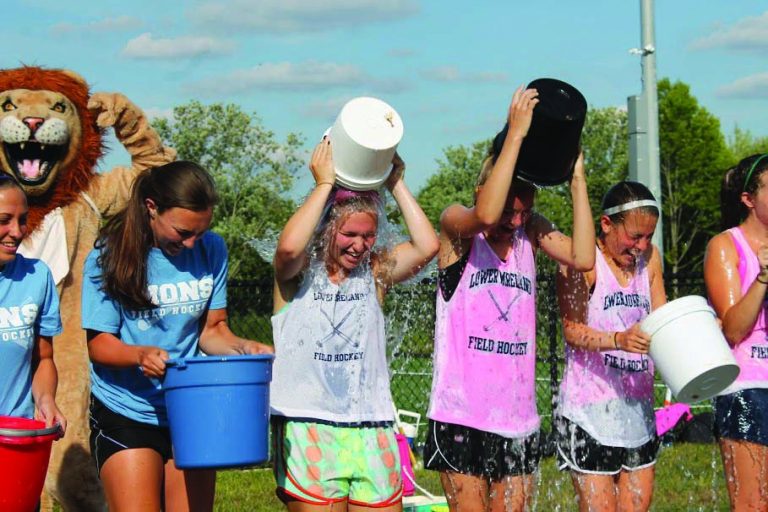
x=636 y=489
x=132 y=480
x=512 y=494
x=746 y=469
x=597 y=493
x=465 y=493
x=189 y=490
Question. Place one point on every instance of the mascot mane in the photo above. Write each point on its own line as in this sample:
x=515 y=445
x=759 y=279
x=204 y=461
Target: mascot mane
x=75 y=177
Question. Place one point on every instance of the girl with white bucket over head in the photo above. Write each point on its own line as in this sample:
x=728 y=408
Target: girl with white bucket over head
x=332 y=409
x=736 y=276
x=606 y=430
x=483 y=433
x=154 y=288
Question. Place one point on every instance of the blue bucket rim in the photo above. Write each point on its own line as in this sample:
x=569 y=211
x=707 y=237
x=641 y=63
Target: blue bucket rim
x=181 y=361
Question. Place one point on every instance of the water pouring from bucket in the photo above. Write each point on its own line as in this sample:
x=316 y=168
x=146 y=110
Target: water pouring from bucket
x=365 y=137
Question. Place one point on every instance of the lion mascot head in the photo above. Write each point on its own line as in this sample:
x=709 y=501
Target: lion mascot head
x=50 y=140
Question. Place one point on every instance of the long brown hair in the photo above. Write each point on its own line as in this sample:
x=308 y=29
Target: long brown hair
x=126 y=238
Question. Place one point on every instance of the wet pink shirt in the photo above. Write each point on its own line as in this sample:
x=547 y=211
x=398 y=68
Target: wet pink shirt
x=752 y=353
x=485 y=343
x=610 y=393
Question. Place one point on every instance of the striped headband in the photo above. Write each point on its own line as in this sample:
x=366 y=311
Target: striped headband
x=630 y=206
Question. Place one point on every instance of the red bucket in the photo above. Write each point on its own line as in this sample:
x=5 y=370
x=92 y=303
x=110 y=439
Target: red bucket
x=25 y=447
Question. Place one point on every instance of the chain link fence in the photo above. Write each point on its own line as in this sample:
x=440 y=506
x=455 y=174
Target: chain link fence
x=410 y=311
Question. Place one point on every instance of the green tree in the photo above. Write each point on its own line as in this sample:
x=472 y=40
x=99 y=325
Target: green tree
x=743 y=144
x=693 y=155
x=454 y=181
x=253 y=173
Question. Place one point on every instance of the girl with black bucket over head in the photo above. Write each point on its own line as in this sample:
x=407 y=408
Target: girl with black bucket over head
x=28 y=375
x=736 y=276
x=154 y=288
x=332 y=408
x=606 y=429
x=483 y=433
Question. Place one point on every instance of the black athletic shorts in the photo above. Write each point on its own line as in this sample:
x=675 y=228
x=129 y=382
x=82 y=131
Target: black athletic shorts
x=743 y=416
x=470 y=451
x=112 y=432
x=578 y=451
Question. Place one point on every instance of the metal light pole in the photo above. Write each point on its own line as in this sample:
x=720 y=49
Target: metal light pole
x=643 y=114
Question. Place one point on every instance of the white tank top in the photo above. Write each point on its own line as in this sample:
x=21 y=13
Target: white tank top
x=330 y=352
x=610 y=393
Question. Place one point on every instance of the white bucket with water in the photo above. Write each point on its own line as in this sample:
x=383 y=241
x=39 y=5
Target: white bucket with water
x=365 y=137
x=689 y=349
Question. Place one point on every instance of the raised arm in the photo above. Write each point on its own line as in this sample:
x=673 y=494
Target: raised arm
x=577 y=252
x=407 y=258
x=721 y=276
x=291 y=246
x=458 y=221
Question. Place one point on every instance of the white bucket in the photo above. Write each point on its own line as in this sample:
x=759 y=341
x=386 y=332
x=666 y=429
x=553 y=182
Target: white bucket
x=365 y=136
x=689 y=349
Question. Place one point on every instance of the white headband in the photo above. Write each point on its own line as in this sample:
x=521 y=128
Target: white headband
x=630 y=206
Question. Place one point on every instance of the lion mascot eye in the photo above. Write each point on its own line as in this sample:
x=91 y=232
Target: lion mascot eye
x=8 y=105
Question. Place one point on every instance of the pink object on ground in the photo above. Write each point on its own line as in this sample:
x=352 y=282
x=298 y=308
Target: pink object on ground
x=668 y=416
x=405 y=464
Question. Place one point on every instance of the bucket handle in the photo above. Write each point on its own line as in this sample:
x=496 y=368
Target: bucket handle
x=34 y=432
x=178 y=363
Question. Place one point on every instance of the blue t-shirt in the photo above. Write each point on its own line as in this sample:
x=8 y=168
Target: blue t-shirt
x=29 y=307
x=183 y=287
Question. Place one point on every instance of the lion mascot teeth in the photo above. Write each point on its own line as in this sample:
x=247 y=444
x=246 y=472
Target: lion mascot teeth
x=51 y=131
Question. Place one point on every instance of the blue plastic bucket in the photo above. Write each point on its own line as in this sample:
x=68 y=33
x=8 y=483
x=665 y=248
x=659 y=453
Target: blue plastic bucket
x=218 y=410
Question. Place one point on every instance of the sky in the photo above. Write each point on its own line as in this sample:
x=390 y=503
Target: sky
x=448 y=67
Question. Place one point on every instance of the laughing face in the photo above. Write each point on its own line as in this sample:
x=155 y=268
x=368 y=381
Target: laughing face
x=176 y=229
x=626 y=240
x=13 y=222
x=354 y=239
x=37 y=130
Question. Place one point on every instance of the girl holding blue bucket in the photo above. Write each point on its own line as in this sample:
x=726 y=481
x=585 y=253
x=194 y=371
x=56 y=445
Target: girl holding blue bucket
x=483 y=434
x=332 y=409
x=154 y=288
x=606 y=429
x=736 y=276
x=30 y=305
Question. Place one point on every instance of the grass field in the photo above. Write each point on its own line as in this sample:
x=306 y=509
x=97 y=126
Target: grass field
x=688 y=477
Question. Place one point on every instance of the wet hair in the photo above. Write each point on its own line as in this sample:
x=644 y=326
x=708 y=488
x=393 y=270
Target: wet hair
x=341 y=204
x=625 y=192
x=519 y=186
x=126 y=238
x=744 y=177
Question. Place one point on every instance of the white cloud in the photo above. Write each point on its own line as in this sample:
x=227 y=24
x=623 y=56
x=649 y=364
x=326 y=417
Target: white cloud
x=147 y=47
x=118 y=24
x=298 y=15
x=401 y=52
x=158 y=113
x=750 y=33
x=453 y=74
x=284 y=75
x=750 y=87
x=326 y=109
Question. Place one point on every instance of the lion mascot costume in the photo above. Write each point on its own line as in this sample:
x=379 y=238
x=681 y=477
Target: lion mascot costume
x=51 y=130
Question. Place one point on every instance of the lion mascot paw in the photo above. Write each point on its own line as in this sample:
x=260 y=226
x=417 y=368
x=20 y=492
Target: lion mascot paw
x=51 y=131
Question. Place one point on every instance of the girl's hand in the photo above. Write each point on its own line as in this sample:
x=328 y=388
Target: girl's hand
x=152 y=361
x=762 y=259
x=255 y=348
x=47 y=411
x=521 y=111
x=397 y=173
x=321 y=163
x=633 y=340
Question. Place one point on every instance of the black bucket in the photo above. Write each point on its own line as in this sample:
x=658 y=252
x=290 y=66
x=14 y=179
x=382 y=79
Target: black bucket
x=550 y=149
